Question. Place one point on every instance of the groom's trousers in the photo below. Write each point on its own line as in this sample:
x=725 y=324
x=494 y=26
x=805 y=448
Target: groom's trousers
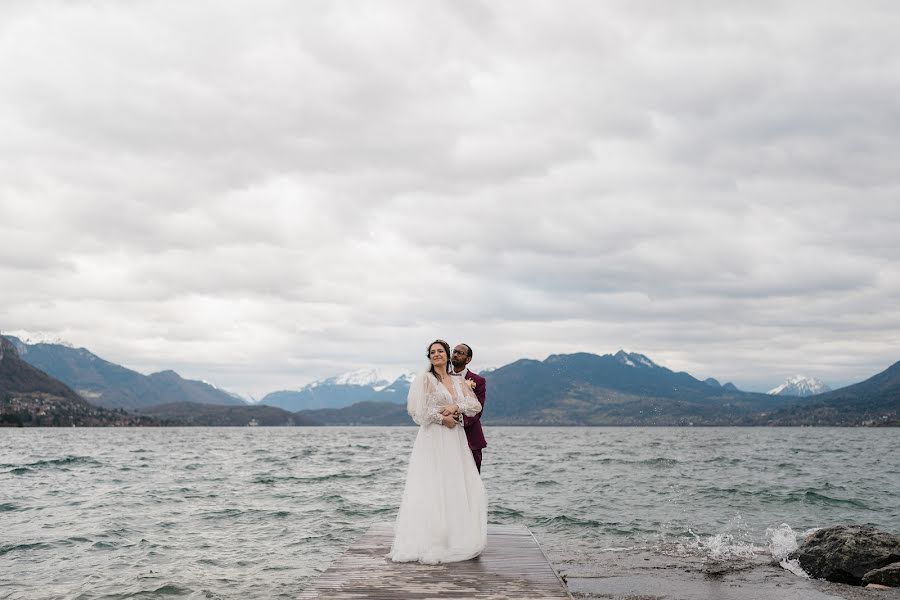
x=476 y=454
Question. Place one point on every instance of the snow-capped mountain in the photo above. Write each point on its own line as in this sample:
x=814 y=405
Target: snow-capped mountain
x=800 y=385
x=633 y=359
x=366 y=377
x=31 y=338
x=397 y=390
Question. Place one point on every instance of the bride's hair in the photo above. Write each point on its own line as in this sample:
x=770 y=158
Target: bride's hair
x=446 y=349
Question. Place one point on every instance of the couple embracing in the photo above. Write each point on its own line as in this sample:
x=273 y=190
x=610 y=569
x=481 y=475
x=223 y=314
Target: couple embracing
x=443 y=513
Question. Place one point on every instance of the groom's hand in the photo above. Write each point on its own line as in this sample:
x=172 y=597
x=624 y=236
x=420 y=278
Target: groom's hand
x=447 y=421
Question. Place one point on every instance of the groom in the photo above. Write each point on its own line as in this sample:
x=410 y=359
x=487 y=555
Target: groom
x=462 y=356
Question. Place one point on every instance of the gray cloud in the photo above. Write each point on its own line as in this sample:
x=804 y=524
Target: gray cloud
x=260 y=194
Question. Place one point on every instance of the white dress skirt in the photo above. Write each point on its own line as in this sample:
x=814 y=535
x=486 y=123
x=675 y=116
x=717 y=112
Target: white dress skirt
x=443 y=512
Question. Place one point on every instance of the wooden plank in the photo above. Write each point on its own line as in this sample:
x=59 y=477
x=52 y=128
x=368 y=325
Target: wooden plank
x=512 y=566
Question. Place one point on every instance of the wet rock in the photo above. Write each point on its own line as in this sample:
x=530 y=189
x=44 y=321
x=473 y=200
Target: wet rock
x=846 y=553
x=889 y=576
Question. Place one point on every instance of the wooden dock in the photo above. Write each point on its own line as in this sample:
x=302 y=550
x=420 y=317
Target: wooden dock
x=512 y=566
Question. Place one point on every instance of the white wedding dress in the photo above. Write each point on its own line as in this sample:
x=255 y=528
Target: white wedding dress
x=443 y=513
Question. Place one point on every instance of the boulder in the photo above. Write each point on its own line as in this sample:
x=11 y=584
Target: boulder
x=887 y=576
x=846 y=553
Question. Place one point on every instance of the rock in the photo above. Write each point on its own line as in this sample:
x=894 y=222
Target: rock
x=889 y=576
x=846 y=553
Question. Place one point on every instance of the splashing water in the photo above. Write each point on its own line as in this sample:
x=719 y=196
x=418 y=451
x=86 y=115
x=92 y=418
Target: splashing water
x=724 y=546
x=783 y=541
x=735 y=543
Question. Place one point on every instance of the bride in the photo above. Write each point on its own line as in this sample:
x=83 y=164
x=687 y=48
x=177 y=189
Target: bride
x=443 y=513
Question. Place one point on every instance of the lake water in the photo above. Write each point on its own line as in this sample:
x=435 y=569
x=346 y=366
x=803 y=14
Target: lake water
x=260 y=512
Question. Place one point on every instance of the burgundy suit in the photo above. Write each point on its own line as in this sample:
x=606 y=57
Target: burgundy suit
x=474 y=433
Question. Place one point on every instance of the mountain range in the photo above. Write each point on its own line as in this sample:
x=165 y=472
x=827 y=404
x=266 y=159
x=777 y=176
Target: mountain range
x=630 y=389
x=568 y=389
x=620 y=389
x=28 y=396
x=110 y=385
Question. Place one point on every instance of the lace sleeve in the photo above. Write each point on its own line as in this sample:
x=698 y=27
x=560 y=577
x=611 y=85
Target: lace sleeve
x=432 y=412
x=468 y=403
x=416 y=399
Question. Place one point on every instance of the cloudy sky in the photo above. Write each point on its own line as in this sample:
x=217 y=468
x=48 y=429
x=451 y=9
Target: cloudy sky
x=263 y=193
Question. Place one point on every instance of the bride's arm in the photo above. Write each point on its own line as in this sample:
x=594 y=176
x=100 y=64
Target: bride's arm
x=432 y=408
x=468 y=403
x=421 y=402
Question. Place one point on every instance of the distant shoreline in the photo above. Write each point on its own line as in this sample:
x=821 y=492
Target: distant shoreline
x=411 y=426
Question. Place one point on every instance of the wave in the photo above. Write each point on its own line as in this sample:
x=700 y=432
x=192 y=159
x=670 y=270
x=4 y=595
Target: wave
x=304 y=453
x=781 y=497
x=271 y=480
x=261 y=515
x=64 y=461
x=818 y=450
x=660 y=461
x=725 y=492
x=60 y=543
x=503 y=512
x=366 y=512
x=74 y=540
x=566 y=520
x=814 y=496
x=222 y=514
x=321 y=539
x=330 y=498
x=7 y=548
x=169 y=589
x=61 y=463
